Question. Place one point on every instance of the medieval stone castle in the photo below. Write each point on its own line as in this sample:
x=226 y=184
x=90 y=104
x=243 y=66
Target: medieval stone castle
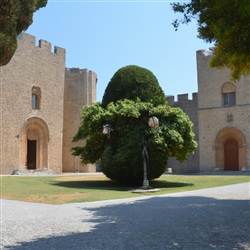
x=220 y=112
x=41 y=100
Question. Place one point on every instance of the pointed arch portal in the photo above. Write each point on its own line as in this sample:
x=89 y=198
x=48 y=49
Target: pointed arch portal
x=34 y=138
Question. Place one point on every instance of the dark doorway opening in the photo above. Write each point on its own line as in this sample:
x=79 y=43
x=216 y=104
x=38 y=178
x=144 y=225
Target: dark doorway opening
x=231 y=155
x=31 y=154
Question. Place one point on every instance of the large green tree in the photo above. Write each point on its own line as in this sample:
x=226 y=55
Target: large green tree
x=15 y=16
x=120 y=154
x=226 y=23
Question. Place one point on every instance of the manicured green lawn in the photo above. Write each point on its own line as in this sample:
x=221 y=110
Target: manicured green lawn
x=81 y=188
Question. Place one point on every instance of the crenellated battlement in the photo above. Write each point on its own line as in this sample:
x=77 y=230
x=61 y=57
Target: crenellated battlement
x=204 y=56
x=190 y=108
x=81 y=83
x=182 y=100
x=76 y=71
x=69 y=71
x=204 y=53
x=30 y=41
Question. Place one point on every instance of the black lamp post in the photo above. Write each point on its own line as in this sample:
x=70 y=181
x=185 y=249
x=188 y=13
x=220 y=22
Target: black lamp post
x=153 y=123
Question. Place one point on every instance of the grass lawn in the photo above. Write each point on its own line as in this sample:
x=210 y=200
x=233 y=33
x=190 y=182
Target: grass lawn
x=81 y=188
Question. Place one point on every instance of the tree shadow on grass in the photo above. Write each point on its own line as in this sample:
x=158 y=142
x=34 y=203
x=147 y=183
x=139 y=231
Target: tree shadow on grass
x=90 y=184
x=170 y=184
x=111 y=185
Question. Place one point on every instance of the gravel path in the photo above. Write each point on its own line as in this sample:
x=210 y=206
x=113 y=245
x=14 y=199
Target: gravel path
x=215 y=218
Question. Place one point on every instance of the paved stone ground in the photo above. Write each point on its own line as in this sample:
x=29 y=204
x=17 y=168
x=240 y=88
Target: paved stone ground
x=215 y=218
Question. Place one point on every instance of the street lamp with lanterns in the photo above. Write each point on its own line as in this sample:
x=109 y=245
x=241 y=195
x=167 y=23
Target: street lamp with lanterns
x=107 y=129
x=153 y=123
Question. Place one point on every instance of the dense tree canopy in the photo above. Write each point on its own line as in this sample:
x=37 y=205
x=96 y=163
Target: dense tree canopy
x=131 y=82
x=120 y=154
x=225 y=22
x=133 y=96
x=15 y=16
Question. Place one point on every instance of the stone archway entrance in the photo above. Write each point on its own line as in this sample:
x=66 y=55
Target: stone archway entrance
x=34 y=144
x=230 y=146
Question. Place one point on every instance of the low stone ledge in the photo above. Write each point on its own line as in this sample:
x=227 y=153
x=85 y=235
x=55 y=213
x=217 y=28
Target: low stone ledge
x=144 y=190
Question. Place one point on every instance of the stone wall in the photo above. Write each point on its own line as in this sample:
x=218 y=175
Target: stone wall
x=80 y=90
x=191 y=165
x=61 y=93
x=31 y=66
x=213 y=116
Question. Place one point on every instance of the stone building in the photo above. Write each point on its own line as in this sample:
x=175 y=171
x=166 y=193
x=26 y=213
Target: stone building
x=41 y=100
x=40 y=103
x=190 y=108
x=221 y=116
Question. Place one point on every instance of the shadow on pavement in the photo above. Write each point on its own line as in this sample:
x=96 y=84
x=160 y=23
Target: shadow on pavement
x=159 y=223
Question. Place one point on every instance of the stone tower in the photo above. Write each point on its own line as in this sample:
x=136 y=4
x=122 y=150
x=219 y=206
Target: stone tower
x=80 y=90
x=32 y=91
x=223 y=117
x=191 y=165
x=40 y=107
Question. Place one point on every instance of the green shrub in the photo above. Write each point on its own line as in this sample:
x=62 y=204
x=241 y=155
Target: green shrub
x=132 y=82
x=132 y=96
x=120 y=154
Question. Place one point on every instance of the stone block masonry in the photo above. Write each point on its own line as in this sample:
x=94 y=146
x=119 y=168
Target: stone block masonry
x=80 y=90
x=41 y=101
x=191 y=165
x=37 y=97
x=216 y=130
x=32 y=66
x=221 y=114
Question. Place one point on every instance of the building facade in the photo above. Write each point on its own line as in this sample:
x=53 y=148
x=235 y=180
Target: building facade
x=41 y=102
x=191 y=165
x=223 y=118
x=220 y=112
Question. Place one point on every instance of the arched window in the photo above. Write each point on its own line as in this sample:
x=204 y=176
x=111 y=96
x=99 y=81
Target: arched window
x=36 y=97
x=228 y=91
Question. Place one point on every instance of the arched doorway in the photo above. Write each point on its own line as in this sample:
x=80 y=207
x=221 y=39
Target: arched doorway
x=231 y=155
x=230 y=149
x=34 y=139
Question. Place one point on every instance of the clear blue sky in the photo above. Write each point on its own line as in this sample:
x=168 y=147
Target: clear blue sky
x=104 y=36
